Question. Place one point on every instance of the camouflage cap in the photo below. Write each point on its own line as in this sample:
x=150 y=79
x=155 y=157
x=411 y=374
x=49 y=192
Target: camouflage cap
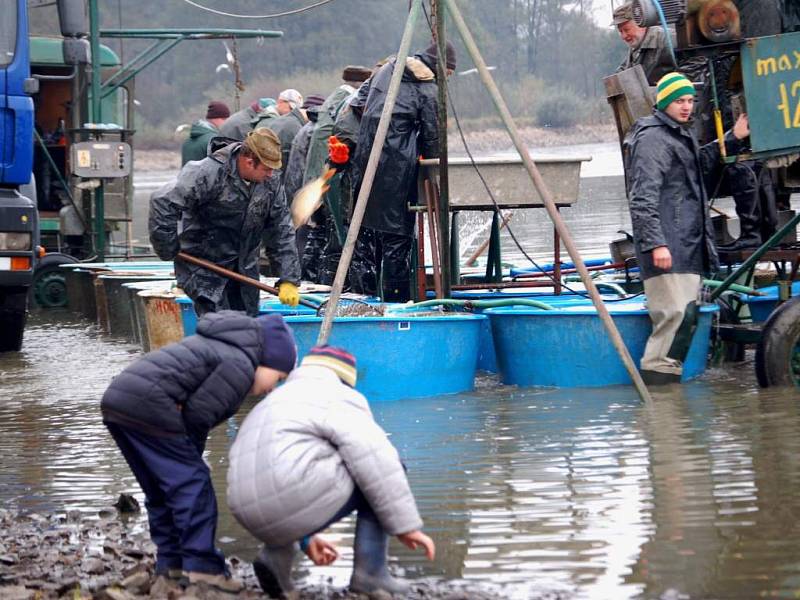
x=264 y=143
x=622 y=14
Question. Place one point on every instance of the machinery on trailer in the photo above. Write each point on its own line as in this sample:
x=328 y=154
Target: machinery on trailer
x=744 y=56
x=66 y=149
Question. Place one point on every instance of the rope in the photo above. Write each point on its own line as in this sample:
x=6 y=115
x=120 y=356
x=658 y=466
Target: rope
x=494 y=200
x=271 y=16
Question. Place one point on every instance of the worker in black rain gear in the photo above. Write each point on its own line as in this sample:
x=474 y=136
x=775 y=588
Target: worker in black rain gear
x=296 y=164
x=224 y=203
x=412 y=133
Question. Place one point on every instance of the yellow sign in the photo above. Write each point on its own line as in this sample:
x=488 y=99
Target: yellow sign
x=84 y=159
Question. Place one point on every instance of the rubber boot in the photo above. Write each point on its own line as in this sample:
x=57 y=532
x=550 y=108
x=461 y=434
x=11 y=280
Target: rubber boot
x=396 y=290
x=370 y=573
x=273 y=569
x=363 y=270
x=312 y=253
x=745 y=191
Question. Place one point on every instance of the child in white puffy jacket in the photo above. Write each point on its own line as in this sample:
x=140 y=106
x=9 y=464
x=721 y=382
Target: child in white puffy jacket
x=308 y=456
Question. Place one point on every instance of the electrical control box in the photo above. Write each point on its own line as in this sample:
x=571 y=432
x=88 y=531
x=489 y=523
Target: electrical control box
x=100 y=159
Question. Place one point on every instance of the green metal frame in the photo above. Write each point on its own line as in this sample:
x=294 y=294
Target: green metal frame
x=753 y=258
x=166 y=40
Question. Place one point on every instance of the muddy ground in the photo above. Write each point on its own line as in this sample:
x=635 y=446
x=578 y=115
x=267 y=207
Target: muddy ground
x=79 y=556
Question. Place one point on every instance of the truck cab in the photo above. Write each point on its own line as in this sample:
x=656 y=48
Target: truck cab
x=19 y=223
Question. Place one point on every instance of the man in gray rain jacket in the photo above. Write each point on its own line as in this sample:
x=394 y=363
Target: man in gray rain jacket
x=667 y=172
x=224 y=203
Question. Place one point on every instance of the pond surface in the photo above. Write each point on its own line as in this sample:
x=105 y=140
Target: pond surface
x=585 y=493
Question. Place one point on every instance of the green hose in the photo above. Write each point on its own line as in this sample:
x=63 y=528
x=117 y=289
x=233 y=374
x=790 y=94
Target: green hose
x=313 y=298
x=479 y=304
x=734 y=287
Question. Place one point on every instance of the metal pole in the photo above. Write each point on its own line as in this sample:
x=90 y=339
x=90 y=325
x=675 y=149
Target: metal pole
x=166 y=46
x=753 y=258
x=99 y=194
x=550 y=205
x=444 y=192
x=369 y=174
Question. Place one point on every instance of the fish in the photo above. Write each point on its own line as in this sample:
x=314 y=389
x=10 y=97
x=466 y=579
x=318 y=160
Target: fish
x=309 y=198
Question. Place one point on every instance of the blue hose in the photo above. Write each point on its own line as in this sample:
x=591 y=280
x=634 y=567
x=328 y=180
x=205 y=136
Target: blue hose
x=666 y=31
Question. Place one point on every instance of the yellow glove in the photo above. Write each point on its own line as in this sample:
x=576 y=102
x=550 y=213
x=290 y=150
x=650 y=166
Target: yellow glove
x=288 y=294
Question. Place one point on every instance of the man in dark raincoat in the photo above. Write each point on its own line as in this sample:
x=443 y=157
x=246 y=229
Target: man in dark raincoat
x=319 y=230
x=289 y=122
x=667 y=174
x=296 y=164
x=412 y=133
x=224 y=203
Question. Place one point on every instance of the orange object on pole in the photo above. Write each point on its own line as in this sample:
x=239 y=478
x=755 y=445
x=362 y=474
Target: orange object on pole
x=338 y=152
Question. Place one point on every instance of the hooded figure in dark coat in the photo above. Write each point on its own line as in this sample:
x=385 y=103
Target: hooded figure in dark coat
x=412 y=133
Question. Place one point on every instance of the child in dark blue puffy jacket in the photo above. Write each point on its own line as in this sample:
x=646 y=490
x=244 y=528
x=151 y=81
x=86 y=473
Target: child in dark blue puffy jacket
x=159 y=411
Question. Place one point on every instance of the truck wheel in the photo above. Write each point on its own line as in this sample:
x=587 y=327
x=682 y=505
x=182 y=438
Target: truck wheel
x=778 y=352
x=49 y=282
x=13 y=314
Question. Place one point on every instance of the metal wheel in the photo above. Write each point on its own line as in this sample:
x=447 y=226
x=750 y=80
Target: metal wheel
x=50 y=288
x=778 y=352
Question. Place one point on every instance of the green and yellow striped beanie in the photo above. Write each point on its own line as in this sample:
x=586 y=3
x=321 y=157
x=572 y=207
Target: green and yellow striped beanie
x=671 y=87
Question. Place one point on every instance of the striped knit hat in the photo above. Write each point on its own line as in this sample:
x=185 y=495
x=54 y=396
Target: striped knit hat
x=338 y=359
x=671 y=87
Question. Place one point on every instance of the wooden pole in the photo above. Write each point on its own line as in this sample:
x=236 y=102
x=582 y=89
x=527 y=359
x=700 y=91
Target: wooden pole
x=444 y=192
x=200 y=262
x=434 y=237
x=550 y=205
x=369 y=174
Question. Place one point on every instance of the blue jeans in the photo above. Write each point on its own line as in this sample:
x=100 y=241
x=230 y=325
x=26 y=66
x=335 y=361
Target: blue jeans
x=179 y=497
x=371 y=541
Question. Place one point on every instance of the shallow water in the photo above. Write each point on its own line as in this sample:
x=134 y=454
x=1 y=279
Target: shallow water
x=582 y=492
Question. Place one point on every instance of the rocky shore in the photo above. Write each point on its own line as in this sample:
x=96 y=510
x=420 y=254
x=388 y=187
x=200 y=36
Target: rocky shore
x=80 y=556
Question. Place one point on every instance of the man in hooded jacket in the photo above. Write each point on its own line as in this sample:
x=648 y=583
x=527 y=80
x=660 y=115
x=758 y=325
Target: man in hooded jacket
x=224 y=203
x=412 y=133
x=195 y=147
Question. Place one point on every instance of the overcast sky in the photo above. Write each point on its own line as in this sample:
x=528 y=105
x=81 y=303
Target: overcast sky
x=602 y=12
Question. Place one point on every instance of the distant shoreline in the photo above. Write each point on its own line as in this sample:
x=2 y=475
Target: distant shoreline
x=480 y=142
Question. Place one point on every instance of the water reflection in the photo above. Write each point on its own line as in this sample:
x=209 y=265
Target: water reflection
x=583 y=492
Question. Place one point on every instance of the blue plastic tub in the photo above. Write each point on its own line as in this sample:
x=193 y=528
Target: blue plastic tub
x=761 y=307
x=403 y=356
x=266 y=306
x=570 y=347
x=487 y=356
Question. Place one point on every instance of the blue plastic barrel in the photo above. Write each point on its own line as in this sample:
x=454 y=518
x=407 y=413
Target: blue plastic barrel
x=570 y=347
x=761 y=307
x=403 y=356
